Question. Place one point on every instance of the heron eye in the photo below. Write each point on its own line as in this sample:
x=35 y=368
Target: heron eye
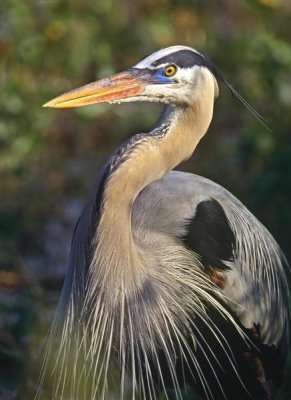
x=170 y=70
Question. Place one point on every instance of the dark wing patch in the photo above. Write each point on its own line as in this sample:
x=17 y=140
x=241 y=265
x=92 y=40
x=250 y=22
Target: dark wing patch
x=210 y=235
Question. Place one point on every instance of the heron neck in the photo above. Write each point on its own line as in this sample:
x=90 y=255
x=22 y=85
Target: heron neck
x=142 y=160
x=152 y=155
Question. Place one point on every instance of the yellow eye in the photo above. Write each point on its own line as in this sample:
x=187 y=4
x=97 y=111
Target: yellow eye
x=170 y=70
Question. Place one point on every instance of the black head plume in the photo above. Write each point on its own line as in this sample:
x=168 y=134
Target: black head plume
x=234 y=92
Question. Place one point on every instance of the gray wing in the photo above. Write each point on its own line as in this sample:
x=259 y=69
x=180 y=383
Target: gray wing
x=235 y=249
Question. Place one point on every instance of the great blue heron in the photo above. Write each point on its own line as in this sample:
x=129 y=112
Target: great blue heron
x=172 y=282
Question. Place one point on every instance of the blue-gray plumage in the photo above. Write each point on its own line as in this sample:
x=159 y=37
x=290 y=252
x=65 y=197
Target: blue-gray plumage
x=171 y=281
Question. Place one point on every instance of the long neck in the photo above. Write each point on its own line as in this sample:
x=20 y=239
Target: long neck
x=142 y=160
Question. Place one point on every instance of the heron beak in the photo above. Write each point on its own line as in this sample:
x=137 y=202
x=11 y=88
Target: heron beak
x=112 y=89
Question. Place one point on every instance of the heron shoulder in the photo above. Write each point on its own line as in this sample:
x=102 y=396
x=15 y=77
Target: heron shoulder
x=169 y=203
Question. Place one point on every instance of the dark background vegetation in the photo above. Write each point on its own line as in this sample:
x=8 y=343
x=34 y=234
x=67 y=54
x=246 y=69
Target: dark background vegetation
x=49 y=158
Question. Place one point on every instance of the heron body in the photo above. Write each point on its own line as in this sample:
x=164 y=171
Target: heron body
x=172 y=282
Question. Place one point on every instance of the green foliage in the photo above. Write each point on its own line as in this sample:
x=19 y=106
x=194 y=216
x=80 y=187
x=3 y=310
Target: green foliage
x=47 y=156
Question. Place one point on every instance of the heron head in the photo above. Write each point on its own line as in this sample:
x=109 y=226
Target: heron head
x=171 y=75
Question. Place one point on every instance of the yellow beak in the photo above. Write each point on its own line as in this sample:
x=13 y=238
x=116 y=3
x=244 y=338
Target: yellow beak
x=116 y=87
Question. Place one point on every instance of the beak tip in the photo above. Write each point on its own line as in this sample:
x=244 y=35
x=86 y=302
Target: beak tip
x=51 y=104
x=47 y=104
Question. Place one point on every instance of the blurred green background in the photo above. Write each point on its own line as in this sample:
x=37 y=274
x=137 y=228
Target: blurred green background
x=49 y=158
